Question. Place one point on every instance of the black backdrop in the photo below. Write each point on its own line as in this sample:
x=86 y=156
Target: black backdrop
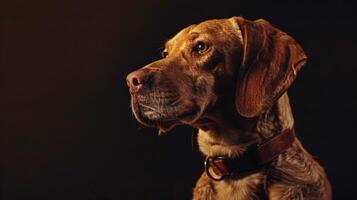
x=65 y=123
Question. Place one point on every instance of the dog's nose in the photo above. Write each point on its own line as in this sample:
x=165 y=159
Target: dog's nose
x=136 y=80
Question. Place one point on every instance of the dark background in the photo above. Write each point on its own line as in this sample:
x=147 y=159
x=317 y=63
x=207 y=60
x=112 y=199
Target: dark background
x=66 y=128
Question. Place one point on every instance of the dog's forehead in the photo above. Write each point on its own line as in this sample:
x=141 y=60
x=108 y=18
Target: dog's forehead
x=221 y=28
x=214 y=27
x=180 y=37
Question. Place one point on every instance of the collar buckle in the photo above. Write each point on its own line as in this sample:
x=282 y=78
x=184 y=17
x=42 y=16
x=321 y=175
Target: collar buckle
x=216 y=168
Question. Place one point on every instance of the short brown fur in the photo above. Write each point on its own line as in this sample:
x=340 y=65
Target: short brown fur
x=228 y=78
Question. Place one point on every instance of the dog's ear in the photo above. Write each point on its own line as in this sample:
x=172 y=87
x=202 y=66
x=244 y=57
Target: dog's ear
x=270 y=62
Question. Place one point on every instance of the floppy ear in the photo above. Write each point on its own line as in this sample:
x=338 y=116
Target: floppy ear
x=270 y=61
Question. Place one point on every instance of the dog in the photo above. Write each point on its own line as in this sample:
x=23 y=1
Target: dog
x=228 y=78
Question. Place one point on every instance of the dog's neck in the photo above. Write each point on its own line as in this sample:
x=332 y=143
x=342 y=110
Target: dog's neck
x=226 y=137
x=295 y=166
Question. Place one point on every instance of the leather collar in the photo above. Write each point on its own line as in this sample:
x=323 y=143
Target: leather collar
x=255 y=159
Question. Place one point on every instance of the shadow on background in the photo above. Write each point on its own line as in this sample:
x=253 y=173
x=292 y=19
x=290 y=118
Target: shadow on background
x=66 y=128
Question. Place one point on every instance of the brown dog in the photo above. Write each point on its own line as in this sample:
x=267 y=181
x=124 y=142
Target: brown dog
x=228 y=78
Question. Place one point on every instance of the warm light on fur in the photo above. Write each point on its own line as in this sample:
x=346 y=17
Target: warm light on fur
x=233 y=90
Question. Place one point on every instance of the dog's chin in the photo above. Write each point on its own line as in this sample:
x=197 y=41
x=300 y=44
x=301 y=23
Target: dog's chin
x=162 y=124
x=165 y=123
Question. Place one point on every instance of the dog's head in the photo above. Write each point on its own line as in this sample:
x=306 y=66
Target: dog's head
x=247 y=64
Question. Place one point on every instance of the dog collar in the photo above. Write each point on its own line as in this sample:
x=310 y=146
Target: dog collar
x=255 y=159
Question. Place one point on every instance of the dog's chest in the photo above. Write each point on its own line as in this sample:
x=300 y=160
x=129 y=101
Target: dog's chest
x=247 y=188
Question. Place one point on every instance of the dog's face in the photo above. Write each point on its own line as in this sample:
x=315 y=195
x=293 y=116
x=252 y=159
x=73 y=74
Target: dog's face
x=214 y=62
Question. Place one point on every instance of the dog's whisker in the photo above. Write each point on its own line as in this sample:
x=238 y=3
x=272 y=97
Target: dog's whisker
x=151 y=108
x=175 y=102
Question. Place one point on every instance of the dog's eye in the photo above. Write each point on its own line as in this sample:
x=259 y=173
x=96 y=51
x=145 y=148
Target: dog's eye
x=164 y=54
x=200 y=47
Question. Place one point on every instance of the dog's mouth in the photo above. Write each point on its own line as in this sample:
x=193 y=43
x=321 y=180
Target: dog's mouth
x=162 y=111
